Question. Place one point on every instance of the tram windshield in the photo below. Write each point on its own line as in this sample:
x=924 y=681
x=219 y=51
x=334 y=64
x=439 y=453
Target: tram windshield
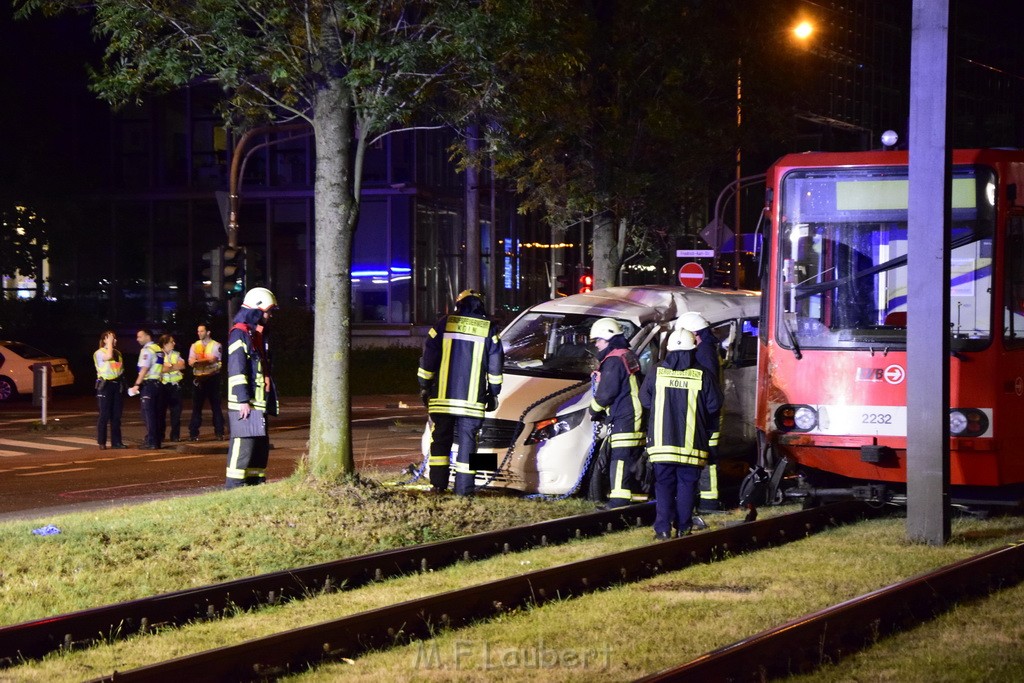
x=554 y=344
x=842 y=271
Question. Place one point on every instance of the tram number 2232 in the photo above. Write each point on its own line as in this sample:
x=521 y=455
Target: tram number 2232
x=876 y=418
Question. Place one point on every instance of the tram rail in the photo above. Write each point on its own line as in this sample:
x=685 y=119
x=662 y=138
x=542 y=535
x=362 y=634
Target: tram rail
x=827 y=635
x=297 y=649
x=35 y=639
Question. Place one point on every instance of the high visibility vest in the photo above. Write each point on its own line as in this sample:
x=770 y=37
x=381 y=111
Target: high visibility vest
x=108 y=369
x=155 y=369
x=172 y=376
x=206 y=352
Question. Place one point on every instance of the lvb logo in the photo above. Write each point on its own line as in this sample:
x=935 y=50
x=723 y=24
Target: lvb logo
x=893 y=374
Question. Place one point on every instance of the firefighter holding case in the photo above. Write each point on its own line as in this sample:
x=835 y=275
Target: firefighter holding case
x=460 y=375
x=251 y=393
x=683 y=399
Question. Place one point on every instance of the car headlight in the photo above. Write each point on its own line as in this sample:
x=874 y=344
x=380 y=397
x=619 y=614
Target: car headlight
x=552 y=427
x=967 y=422
x=796 y=418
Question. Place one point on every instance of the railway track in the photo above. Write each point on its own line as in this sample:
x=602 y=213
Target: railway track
x=35 y=639
x=806 y=643
x=294 y=650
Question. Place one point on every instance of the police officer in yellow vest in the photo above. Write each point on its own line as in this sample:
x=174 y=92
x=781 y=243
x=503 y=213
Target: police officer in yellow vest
x=683 y=399
x=251 y=393
x=109 y=367
x=147 y=386
x=460 y=376
x=170 y=387
x=616 y=398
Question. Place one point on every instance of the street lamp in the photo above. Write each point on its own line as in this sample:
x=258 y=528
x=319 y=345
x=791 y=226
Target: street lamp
x=803 y=30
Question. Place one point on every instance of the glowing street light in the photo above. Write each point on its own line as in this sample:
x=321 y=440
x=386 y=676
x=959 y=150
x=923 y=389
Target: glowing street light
x=803 y=30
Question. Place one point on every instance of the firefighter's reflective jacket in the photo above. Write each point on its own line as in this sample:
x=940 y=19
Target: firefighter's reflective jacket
x=683 y=399
x=461 y=365
x=249 y=371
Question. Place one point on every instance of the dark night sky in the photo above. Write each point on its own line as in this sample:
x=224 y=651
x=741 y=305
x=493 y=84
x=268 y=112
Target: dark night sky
x=53 y=127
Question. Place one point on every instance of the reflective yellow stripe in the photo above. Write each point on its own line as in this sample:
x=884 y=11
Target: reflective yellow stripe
x=618 y=491
x=425 y=374
x=446 y=360
x=595 y=406
x=463 y=468
x=438 y=461
x=233 y=471
x=473 y=390
x=712 y=491
x=238 y=344
x=494 y=379
x=678 y=456
x=627 y=439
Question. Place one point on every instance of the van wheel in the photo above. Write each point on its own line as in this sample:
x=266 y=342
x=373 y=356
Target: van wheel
x=7 y=390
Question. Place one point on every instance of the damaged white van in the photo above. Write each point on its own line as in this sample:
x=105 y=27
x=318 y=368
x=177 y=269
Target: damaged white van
x=541 y=439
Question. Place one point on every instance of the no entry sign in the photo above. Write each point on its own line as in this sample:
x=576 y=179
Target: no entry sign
x=691 y=275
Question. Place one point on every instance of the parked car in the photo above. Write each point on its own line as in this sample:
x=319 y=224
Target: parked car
x=16 y=361
x=541 y=437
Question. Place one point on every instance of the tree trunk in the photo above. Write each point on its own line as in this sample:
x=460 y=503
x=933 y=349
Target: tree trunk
x=473 y=251
x=337 y=209
x=606 y=253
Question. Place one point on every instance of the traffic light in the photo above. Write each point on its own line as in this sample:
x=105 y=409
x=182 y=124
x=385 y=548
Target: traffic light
x=213 y=272
x=233 y=267
x=252 y=276
x=586 y=282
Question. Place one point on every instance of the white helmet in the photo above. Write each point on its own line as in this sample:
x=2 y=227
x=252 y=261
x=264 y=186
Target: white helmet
x=605 y=328
x=261 y=298
x=692 y=321
x=681 y=340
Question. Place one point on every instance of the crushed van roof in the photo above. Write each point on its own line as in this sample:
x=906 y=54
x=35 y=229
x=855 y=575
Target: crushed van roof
x=658 y=303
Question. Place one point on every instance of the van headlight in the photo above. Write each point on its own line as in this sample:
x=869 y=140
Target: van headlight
x=553 y=426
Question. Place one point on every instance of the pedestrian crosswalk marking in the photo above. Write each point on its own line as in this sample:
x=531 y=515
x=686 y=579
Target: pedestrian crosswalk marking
x=10 y=454
x=74 y=439
x=36 y=474
x=35 y=445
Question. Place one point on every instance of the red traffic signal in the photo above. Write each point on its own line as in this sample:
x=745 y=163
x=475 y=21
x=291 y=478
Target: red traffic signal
x=586 y=283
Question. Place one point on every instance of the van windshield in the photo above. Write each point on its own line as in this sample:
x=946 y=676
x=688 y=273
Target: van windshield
x=554 y=344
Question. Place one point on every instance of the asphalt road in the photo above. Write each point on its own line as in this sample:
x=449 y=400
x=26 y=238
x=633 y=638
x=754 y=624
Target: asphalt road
x=58 y=467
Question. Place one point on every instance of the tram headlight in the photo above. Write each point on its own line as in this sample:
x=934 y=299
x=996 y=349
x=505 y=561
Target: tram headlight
x=967 y=422
x=796 y=418
x=551 y=427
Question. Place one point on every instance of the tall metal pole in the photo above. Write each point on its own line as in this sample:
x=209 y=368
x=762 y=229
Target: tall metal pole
x=928 y=512
x=738 y=228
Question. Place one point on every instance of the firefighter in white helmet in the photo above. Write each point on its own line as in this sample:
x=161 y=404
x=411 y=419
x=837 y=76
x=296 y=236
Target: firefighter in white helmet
x=251 y=393
x=683 y=399
x=707 y=355
x=616 y=398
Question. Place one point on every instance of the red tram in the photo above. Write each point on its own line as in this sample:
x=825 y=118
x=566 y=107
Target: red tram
x=831 y=400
